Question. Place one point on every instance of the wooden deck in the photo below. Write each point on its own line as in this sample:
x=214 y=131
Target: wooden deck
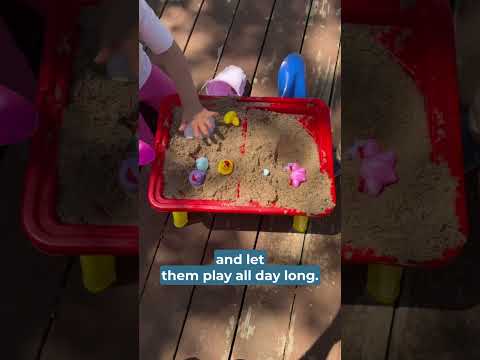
x=225 y=322
x=49 y=316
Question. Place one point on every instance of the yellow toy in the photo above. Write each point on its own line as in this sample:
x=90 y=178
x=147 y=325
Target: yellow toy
x=225 y=167
x=231 y=117
x=180 y=219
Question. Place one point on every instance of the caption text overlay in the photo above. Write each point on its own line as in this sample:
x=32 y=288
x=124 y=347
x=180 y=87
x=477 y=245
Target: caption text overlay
x=240 y=267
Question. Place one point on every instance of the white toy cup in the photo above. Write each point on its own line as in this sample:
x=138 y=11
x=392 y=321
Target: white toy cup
x=230 y=81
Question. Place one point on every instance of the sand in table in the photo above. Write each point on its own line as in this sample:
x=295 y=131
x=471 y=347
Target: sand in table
x=414 y=219
x=97 y=127
x=273 y=140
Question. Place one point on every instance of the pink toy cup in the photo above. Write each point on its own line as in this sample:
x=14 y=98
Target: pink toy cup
x=18 y=118
x=230 y=81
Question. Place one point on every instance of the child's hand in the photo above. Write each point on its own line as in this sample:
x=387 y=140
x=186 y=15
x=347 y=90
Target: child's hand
x=200 y=121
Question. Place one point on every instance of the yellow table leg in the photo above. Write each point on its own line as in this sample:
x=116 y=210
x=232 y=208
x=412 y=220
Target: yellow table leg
x=383 y=283
x=300 y=223
x=180 y=219
x=98 y=272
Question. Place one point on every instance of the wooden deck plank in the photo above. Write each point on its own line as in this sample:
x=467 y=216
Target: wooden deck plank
x=151 y=225
x=264 y=321
x=365 y=331
x=420 y=333
x=212 y=338
x=180 y=16
x=284 y=36
x=314 y=321
x=31 y=280
x=437 y=306
x=96 y=326
x=208 y=38
x=213 y=314
x=320 y=47
x=246 y=37
x=158 y=6
x=316 y=307
x=163 y=308
x=336 y=108
x=255 y=313
x=365 y=324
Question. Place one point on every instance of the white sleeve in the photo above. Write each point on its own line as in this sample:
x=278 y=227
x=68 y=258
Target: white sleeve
x=151 y=31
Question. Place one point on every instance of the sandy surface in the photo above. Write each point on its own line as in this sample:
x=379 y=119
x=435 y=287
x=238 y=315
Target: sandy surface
x=414 y=219
x=273 y=140
x=98 y=126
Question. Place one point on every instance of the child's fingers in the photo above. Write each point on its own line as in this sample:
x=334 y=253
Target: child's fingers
x=209 y=125
x=182 y=126
x=213 y=114
x=204 y=128
x=196 y=131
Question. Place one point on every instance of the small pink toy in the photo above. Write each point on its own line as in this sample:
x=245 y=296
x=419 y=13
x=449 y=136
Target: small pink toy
x=146 y=151
x=298 y=174
x=129 y=174
x=377 y=169
x=197 y=178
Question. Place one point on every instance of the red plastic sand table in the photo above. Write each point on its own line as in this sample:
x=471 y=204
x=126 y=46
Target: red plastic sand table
x=314 y=117
x=421 y=39
x=40 y=219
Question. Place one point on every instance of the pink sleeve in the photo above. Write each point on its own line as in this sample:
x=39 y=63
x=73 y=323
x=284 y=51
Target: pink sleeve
x=151 y=31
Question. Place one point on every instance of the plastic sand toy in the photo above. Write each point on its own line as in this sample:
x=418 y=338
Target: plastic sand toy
x=197 y=178
x=266 y=172
x=188 y=132
x=225 y=167
x=298 y=175
x=201 y=164
x=231 y=117
x=230 y=81
x=146 y=153
x=291 y=80
x=377 y=169
x=129 y=174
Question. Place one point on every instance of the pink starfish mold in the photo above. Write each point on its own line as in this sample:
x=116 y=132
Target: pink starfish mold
x=377 y=169
x=298 y=174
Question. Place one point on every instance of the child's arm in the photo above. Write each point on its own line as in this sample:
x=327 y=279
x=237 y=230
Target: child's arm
x=167 y=54
x=121 y=33
x=177 y=67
